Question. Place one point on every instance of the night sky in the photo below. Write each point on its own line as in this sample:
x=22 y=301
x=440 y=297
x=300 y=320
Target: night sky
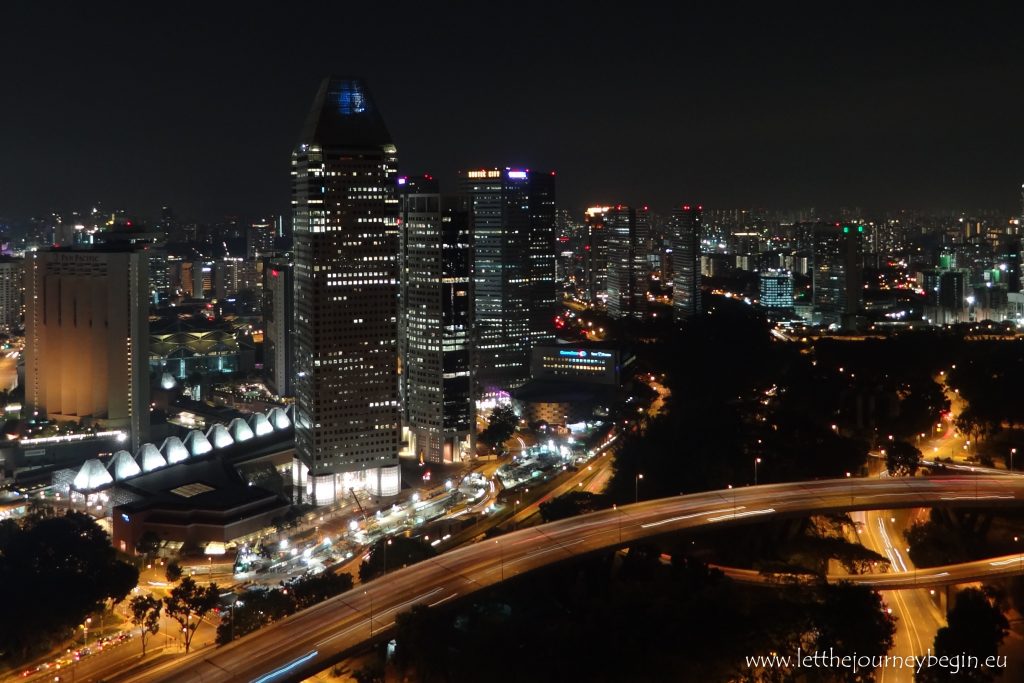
x=199 y=108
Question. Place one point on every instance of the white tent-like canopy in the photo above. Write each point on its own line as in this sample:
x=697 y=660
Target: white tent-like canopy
x=91 y=476
x=239 y=430
x=174 y=450
x=218 y=435
x=278 y=419
x=149 y=458
x=260 y=425
x=123 y=466
x=197 y=443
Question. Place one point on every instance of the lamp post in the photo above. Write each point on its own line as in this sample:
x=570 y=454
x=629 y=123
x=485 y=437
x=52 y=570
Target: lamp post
x=1020 y=554
x=1013 y=452
x=850 y=477
x=371 y=611
x=385 y=548
x=88 y=620
x=636 y=487
x=757 y=461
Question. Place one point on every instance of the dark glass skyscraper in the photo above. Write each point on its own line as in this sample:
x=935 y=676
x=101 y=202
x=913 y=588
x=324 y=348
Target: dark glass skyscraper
x=436 y=322
x=512 y=215
x=628 y=233
x=685 y=235
x=344 y=174
x=595 y=253
x=278 y=325
x=837 y=273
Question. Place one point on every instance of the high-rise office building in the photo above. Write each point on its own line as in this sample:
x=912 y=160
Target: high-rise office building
x=776 y=289
x=436 y=322
x=86 y=337
x=512 y=215
x=278 y=324
x=595 y=253
x=628 y=232
x=261 y=237
x=837 y=273
x=344 y=174
x=685 y=236
x=11 y=286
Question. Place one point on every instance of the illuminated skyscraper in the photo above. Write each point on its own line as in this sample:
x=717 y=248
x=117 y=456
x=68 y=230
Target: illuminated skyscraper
x=512 y=215
x=278 y=325
x=595 y=253
x=776 y=289
x=436 y=322
x=11 y=285
x=344 y=172
x=837 y=273
x=628 y=233
x=685 y=235
x=86 y=337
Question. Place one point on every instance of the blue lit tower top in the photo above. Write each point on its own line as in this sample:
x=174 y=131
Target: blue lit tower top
x=344 y=114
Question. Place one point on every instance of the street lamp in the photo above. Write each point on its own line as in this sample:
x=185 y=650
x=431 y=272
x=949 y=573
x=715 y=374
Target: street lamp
x=371 y=611
x=85 y=626
x=1013 y=452
x=757 y=461
x=1020 y=554
x=636 y=487
x=850 y=477
x=385 y=553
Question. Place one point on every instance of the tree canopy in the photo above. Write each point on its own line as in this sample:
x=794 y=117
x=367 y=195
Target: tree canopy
x=500 y=427
x=57 y=571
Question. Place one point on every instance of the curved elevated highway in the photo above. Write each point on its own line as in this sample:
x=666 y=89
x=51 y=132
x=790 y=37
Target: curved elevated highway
x=308 y=641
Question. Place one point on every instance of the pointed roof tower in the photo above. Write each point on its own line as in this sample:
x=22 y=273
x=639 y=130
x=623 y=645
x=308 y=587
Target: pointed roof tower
x=344 y=115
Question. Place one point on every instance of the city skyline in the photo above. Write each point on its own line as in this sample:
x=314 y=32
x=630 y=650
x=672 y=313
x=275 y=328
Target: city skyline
x=781 y=109
x=377 y=339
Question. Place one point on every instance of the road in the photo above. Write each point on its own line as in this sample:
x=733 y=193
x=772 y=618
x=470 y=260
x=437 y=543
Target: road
x=306 y=642
x=918 y=615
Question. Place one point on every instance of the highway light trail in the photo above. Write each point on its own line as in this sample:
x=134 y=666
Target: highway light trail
x=286 y=668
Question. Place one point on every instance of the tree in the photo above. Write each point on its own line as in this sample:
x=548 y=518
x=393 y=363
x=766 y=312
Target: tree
x=571 y=504
x=501 y=427
x=188 y=603
x=173 y=571
x=399 y=552
x=902 y=459
x=371 y=672
x=977 y=627
x=311 y=590
x=145 y=611
x=148 y=544
x=852 y=620
x=64 y=569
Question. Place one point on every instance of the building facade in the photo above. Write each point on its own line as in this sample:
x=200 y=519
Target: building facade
x=436 y=322
x=86 y=338
x=837 y=273
x=628 y=233
x=278 y=323
x=512 y=215
x=685 y=235
x=776 y=289
x=344 y=173
x=11 y=288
